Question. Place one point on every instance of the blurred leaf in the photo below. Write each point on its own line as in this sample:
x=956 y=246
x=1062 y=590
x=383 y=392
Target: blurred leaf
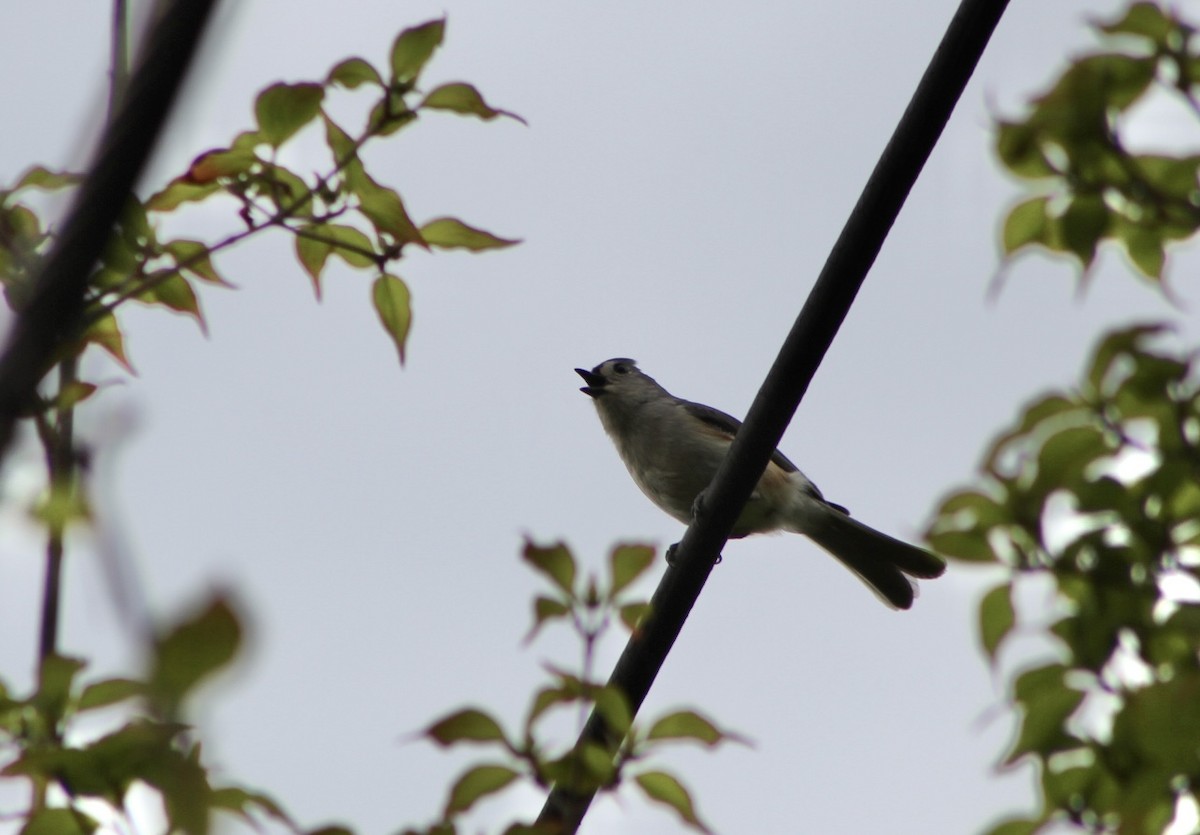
x=354 y=72
x=1025 y=224
x=1159 y=726
x=212 y=165
x=171 y=290
x=340 y=144
x=350 y=244
x=110 y=692
x=59 y=821
x=476 y=783
x=632 y=614
x=555 y=562
x=282 y=109
x=312 y=251
x=1015 y=826
x=181 y=191
x=1019 y=148
x=392 y=303
x=690 y=725
x=413 y=48
x=996 y=618
x=1085 y=221
x=626 y=564
x=614 y=707
x=662 y=787
x=1047 y=703
x=106 y=333
x=546 y=609
x=41 y=177
x=964 y=545
x=470 y=725
x=56 y=677
x=451 y=233
x=72 y=394
x=384 y=208
x=194 y=257
x=465 y=99
x=1144 y=19
x=201 y=644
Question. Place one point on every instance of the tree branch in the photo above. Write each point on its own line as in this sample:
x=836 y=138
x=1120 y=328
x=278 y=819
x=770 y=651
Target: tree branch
x=828 y=302
x=54 y=312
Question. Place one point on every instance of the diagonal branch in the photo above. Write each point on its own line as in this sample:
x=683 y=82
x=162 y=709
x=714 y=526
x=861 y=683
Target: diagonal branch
x=828 y=302
x=53 y=314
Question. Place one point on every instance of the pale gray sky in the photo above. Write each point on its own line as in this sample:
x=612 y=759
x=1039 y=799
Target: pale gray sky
x=685 y=170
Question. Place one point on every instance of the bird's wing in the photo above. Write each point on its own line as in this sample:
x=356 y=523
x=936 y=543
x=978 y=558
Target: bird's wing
x=729 y=425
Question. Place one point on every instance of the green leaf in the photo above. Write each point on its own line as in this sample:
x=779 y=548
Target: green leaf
x=384 y=208
x=465 y=99
x=1019 y=147
x=195 y=648
x=171 y=290
x=106 y=333
x=213 y=165
x=282 y=109
x=110 y=692
x=964 y=545
x=350 y=244
x=469 y=725
x=413 y=48
x=341 y=146
x=1025 y=224
x=195 y=258
x=451 y=233
x=312 y=251
x=40 y=177
x=664 y=788
x=1048 y=703
x=612 y=705
x=354 y=72
x=181 y=191
x=626 y=564
x=72 y=394
x=1085 y=221
x=56 y=677
x=633 y=613
x=1142 y=19
x=555 y=562
x=1144 y=246
x=476 y=783
x=392 y=303
x=546 y=609
x=690 y=725
x=59 y=821
x=1015 y=826
x=996 y=618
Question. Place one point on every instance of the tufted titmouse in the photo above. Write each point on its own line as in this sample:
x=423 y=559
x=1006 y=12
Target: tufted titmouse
x=673 y=447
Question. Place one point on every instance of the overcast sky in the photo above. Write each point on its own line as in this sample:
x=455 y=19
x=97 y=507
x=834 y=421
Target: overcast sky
x=685 y=170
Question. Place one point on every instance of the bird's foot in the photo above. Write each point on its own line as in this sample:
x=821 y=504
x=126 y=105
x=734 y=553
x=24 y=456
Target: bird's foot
x=671 y=549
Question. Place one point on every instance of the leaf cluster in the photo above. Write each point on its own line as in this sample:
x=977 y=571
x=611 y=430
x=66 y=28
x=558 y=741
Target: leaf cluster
x=590 y=606
x=343 y=212
x=1098 y=490
x=1070 y=146
x=151 y=746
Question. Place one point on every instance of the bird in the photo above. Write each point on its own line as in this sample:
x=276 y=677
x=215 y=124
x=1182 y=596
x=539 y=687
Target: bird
x=673 y=447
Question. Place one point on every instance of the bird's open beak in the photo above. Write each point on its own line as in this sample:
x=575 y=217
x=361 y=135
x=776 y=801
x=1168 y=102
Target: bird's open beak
x=595 y=383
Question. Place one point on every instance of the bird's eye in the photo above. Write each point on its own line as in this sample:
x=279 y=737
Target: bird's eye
x=621 y=368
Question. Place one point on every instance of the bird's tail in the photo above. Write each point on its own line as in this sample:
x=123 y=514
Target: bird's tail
x=879 y=560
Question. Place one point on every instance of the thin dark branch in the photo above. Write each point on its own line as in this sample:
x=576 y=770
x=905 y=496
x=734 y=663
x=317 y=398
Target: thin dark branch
x=828 y=303
x=53 y=315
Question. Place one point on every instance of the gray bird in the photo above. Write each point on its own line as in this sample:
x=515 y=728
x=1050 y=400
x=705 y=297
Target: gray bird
x=672 y=448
